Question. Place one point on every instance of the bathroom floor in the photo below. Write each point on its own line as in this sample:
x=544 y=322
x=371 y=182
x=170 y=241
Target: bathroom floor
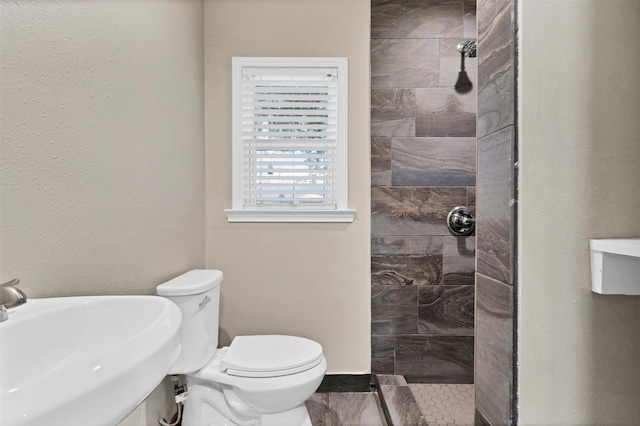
x=346 y=409
x=445 y=404
x=404 y=405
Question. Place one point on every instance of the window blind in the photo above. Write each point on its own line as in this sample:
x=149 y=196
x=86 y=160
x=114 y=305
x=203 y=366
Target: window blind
x=289 y=132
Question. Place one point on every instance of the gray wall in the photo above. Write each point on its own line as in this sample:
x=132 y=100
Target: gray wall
x=423 y=150
x=304 y=279
x=102 y=146
x=579 y=146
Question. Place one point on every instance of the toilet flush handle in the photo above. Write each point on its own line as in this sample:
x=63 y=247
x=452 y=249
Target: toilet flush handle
x=205 y=300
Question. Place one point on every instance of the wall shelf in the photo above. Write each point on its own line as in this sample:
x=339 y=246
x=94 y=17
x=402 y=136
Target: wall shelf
x=615 y=266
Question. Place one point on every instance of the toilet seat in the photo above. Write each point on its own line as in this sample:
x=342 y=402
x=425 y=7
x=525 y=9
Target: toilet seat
x=270 y=356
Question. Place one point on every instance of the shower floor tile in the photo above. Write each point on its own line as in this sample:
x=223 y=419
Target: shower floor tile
x=445 y=404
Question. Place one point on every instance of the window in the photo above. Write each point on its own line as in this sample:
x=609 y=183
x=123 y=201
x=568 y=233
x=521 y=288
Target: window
x=290 y=140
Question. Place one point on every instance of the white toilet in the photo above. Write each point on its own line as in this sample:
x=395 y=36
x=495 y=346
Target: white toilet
x=257 y=380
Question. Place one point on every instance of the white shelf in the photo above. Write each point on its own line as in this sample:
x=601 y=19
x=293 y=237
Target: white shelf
x=615 y=266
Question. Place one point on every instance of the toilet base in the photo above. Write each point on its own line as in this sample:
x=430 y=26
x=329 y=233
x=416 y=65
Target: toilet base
x=199 y=411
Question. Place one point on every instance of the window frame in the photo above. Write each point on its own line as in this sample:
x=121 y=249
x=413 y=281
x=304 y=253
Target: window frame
x=241 y=213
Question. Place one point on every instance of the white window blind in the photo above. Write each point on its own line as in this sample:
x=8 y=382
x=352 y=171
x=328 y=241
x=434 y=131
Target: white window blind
x=289 y=135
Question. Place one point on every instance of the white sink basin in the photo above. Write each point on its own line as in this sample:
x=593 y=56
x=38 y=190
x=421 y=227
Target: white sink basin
x=84 y=360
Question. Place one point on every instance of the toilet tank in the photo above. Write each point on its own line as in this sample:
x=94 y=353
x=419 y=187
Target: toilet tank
x=197 y=294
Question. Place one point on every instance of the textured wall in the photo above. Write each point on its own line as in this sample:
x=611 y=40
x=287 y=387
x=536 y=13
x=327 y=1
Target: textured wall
x=309 y=280
x=423 y=151
x=101 y=154
x=579 y=352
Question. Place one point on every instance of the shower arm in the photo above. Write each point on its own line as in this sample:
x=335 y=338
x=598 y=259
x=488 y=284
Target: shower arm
x=468 y=48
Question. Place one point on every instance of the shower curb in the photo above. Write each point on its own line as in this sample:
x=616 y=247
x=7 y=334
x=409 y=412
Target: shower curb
x=398 y=404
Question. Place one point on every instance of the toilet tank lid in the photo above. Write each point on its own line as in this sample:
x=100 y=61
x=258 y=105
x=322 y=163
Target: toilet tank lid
x=193 y=282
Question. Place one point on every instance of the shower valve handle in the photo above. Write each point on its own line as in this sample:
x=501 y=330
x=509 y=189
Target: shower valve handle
x=461 y=221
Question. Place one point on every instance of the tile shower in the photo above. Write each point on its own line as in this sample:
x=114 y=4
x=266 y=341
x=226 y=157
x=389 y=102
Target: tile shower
x=423 y=149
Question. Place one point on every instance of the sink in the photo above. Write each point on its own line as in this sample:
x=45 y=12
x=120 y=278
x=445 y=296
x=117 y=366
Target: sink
x=84 y=360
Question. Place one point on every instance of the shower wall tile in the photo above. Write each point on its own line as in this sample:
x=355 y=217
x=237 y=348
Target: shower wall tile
x=496 y=60
x=423 y=164
x=404 y=63
x=407 y=244
x=435 y=359
x=394 y=310
x=416 y=18
x=380 y=161
x=470 y=25
x=433 y=161
x=443 y=112
x=397 y=270
x=382 y=354
x=446 y=310
x=392 y=104
x=413 y=210
x=451 y=63
x=398 y=127
x=495 y=210
x=494 y=356
x=393 y=112
x=471 y=198
x=459 y=258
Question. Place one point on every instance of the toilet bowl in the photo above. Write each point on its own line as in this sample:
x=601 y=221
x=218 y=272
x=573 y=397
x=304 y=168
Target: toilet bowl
x=257 y=380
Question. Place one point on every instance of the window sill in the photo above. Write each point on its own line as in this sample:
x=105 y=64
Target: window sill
x=326 y=216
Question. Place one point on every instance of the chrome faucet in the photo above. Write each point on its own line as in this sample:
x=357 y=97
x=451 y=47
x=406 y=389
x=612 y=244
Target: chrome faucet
x=10 y=296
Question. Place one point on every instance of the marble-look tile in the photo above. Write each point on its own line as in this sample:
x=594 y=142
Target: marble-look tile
x=390 y=379
x=392 y=104
x=394 y=310
x=459 y=260
x=380 y=161
x=435 y=359
x=470 y=21
x=446 y=310
x=393 y=112
x=471 y=198
x=404 y=63
x=452 y=63
x=382 y=354
x=496 y=62
x=416 y=18
x=361 y=409
x=413 y=210
x=345 y=408
x=401 y=406
x=380 y=154
x=480 y=420
x=399 y=127
x=395 y=270
x=318 y=408
x=443 y=112
x=381 y=178
x=494 y=357
x=407 y=244
x=496 y=209
x=433 y=162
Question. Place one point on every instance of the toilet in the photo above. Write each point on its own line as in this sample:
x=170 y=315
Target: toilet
x=257 y=380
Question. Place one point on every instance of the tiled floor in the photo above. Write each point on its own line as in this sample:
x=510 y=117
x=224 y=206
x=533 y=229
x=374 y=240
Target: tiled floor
x=445 y=404
x=345 y=409
x=395 y=403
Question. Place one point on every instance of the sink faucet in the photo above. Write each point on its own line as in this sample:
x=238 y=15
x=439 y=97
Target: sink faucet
x=10 y=296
